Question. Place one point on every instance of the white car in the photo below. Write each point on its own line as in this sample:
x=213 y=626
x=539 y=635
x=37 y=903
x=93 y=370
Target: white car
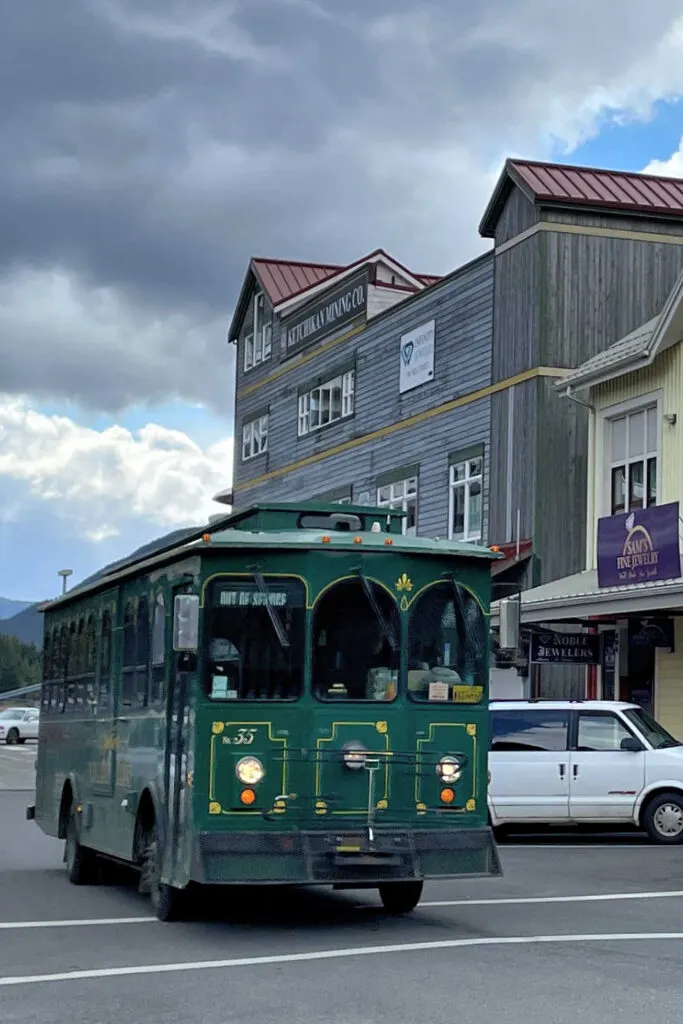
x=584 y=762
x=18 y=725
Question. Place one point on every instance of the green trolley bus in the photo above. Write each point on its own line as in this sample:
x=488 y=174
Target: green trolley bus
x=295 y=694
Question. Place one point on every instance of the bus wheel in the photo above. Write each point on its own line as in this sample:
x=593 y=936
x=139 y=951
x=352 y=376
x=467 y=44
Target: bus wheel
x=400 y=897
x=81 y=863
x=166 y=900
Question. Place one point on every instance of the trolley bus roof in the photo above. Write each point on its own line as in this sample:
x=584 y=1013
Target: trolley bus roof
x=279 y=526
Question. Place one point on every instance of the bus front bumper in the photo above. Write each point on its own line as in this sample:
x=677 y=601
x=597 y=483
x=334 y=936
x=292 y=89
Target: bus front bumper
x=344 y=857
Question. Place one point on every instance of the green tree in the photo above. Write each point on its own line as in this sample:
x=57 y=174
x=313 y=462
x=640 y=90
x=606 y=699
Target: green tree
x=20 y=664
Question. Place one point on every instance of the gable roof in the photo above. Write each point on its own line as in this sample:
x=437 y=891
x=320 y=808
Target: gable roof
x=634 y=351
x=565 y=185
x=281 y=279
x=285 y=280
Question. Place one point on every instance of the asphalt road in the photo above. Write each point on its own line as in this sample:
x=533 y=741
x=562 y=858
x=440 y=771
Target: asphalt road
x=582 y=929
x=17 y=766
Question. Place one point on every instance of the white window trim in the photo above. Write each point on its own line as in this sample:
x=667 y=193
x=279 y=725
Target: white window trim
x=399 y=504
x=477 y=537
x=257 y=421
x=347 y=381
x=603 y=478
x=264 y=330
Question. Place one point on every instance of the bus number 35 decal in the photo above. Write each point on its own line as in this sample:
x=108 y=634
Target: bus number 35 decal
x=243 y=737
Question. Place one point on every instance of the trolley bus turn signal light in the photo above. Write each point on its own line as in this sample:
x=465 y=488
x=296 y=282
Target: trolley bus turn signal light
x=447 y=796
x=326 y=540
x=357 y=540
x=247 y=796
x=206 y=537
x=388 y=542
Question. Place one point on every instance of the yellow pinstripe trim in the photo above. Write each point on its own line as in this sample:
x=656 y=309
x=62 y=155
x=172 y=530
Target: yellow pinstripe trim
x=410 y=421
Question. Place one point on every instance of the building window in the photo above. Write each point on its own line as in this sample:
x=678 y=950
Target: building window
x=258 y=341
x=633 y=460
x=465 y=499
x=401 y=495
x=326 y=403
x=255 y=437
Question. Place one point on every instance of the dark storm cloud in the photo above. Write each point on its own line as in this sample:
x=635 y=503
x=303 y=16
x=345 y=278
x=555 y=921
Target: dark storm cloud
x=150 y=147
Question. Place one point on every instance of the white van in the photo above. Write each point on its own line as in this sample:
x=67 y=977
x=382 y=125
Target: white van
x=584 y=762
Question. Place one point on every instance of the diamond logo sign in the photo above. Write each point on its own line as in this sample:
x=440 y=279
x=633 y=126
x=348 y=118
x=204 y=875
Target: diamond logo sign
x=417 y=357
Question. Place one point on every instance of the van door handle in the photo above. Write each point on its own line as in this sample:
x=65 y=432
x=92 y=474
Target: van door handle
x=575 y=770
x=562 y=768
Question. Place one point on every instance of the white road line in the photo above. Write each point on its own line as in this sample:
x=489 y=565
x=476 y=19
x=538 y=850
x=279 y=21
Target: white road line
x=518 y=900
x=581 y=846
x=76 y=923
x=599 y=897
x=337 y=954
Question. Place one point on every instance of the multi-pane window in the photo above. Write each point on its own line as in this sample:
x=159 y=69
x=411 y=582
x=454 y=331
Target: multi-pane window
x=465 y=499
x=255 y=437
x=258 y=340
x=326 y=403
x=401 y=495
x=633 y=460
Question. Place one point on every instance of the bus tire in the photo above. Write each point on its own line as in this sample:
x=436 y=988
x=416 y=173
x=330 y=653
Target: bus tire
x=400 y=897
x=81 y=862
x=167 y=901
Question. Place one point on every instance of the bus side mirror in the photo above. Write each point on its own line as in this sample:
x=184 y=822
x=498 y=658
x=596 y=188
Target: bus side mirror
x=509 y=620
x=186 y=622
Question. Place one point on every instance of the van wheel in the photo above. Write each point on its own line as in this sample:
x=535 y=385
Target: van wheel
x=663 y=818
x=400 y=897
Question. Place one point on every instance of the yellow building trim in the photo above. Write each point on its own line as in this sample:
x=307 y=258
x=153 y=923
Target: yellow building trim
x=294 y=364
x=594 y=232
x=409 y=421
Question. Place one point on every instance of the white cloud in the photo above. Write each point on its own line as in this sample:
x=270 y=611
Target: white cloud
x=101 y=479
x=670 y=168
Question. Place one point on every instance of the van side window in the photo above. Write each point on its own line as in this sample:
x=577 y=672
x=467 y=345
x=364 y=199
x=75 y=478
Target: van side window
x=601 y=732
x=529 y=729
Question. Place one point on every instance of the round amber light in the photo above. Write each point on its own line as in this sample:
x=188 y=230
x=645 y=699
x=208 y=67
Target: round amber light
x=447 y=796
x=247 y=796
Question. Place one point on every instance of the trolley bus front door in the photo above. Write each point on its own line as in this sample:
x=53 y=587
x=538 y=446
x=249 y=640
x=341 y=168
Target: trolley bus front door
x=176 y=754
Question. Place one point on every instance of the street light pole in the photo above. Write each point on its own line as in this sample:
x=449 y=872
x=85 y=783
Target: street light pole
x=64 y=573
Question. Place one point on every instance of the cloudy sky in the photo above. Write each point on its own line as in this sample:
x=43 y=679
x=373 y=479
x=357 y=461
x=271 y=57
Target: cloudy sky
x=150 y=147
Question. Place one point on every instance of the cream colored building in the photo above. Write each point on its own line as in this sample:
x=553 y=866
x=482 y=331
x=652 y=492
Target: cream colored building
x=634 y=394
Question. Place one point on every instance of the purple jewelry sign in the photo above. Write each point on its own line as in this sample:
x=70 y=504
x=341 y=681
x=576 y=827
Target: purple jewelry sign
x=639 y=547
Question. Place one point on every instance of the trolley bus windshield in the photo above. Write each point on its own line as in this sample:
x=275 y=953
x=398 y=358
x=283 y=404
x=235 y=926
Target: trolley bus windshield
x=255 y=639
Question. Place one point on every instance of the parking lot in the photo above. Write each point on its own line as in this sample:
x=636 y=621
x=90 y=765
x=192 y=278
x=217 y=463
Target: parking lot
x=578 y=928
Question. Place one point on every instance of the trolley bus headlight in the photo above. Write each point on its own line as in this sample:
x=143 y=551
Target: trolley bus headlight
x=448 y=769
x=354 y=755
x=249 y=770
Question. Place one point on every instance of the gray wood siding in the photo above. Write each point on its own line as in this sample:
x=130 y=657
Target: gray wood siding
x=517 y=302
x=427 y=444
x=598 y=289
x=462 y=308
x=612 y=221
x=518 y=214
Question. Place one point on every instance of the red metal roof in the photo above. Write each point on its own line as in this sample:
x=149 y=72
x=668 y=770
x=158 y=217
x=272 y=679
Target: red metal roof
x=564 y=185
x=284 y=278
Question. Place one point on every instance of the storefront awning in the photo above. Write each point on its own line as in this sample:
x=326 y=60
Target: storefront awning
x=579 y=597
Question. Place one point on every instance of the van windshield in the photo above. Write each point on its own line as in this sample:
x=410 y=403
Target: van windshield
x=655 y=734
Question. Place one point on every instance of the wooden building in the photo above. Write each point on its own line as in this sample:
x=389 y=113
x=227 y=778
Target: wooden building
x=471 y=439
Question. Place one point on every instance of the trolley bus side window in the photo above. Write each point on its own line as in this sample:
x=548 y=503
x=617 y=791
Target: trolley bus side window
x=255 y=652
x=447 y=642
x=356 y=652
